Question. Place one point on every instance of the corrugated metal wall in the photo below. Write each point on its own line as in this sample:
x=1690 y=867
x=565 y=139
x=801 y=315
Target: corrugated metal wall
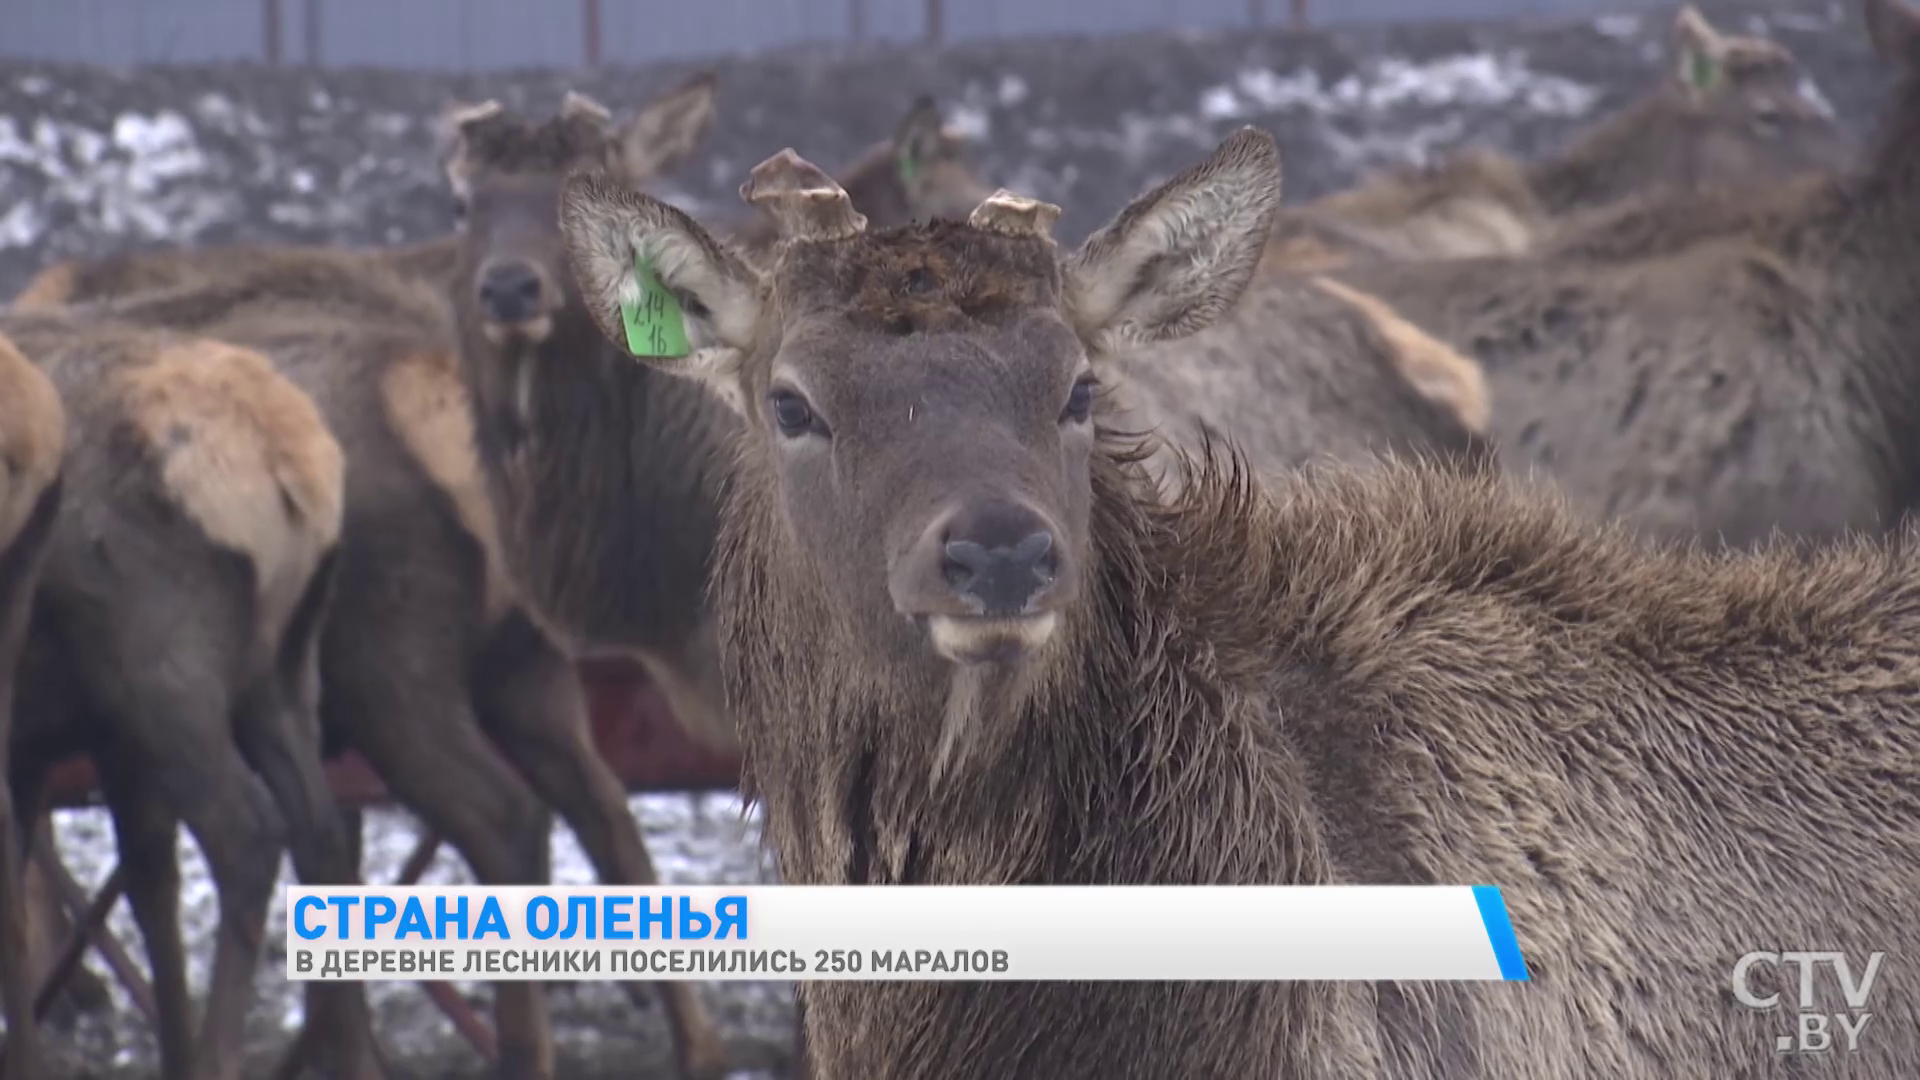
x=491 y=34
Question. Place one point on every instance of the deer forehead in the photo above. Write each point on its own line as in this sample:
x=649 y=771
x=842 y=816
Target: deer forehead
x=920 y=271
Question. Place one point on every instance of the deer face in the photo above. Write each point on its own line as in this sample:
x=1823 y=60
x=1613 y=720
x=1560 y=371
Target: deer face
x=920 y=401
x=1756 y=113
x=506 y=174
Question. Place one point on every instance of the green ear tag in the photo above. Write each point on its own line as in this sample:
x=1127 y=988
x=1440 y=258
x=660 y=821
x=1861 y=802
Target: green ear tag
x=655 y=326
x=1704 y=71
x=909 y=166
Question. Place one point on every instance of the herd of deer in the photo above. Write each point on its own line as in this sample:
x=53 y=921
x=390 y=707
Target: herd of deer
x=1210 y=552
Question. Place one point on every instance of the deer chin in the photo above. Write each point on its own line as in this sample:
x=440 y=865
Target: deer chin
x=526 y=332
x=973 y=639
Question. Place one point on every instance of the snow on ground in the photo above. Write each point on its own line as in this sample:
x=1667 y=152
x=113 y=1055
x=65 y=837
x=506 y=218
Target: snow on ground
x=694 y=839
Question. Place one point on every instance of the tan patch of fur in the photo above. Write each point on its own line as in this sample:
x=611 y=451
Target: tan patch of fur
x=33 y=435
x=50 y=288
x=1301 y=254
x=247 y=456
x=1435 y=369
x=1475 y=203
x=427 y=406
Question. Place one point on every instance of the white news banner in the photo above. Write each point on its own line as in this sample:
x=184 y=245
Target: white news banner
x=923 y=932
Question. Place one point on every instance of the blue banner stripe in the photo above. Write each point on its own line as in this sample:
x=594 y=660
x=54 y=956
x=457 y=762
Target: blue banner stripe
x=1506 y=947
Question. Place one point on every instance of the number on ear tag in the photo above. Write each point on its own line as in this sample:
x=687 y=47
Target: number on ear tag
x=655 y=325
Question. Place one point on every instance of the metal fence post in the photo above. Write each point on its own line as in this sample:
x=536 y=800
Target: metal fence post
x=590 y=29
x=270 y=30
x=936 y=21
x=310 y=30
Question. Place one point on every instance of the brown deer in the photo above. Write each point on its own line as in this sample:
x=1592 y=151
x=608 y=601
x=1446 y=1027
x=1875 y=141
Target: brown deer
x=174 y=638
x=1734 y=114
x=32 y=442
x=1755 y=375
x=968 y=641
x=543 y=381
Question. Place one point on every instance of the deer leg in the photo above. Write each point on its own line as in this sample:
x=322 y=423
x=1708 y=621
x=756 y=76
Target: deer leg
x=421 y=736
x=16 y=974
x=19 y=567
x=279 y=732
x=241 y=835
x=530 y=699
x=172 y=728
x=145 y=832
x=284 y=750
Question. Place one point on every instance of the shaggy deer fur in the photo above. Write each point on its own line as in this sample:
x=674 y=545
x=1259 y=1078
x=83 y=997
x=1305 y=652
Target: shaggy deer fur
x=32 y=441
x=1299 y=372
x=1759 y=376
x=174 y=638
x=1736 y=113
x=1386 y=676
x=80 y=281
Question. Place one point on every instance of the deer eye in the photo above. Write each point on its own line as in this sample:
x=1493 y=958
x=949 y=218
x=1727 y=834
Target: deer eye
x=1079 y=401
x=793 y=415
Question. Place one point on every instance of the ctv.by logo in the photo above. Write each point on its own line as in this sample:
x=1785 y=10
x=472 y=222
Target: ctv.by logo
x=1813 y=1033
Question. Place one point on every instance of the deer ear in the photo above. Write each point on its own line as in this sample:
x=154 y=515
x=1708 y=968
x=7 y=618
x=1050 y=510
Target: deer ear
x=1894 y=29
x=451 y=130
x=1178 y=258
x=658 y=285
x=917 y=141
x=1699 y=50
x=667 y=132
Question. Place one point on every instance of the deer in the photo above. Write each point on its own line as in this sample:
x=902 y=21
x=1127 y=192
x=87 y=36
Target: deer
x=968 y=639
x=173 y=637
x=33 y=434
x=1747 y=376
x=1736 y=112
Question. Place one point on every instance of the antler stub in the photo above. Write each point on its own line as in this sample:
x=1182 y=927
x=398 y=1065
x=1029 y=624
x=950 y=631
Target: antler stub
x=801 y=199
x=1015 y=215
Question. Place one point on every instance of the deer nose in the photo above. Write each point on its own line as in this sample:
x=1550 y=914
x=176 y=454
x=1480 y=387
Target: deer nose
x=1003 y=558
x=510 y=292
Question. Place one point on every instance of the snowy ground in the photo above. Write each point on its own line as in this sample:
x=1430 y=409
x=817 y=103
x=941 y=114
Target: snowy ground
x=93 y=160
x=694 y=839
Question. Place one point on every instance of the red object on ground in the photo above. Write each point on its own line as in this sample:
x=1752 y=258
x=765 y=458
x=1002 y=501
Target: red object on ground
x=635 y=731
